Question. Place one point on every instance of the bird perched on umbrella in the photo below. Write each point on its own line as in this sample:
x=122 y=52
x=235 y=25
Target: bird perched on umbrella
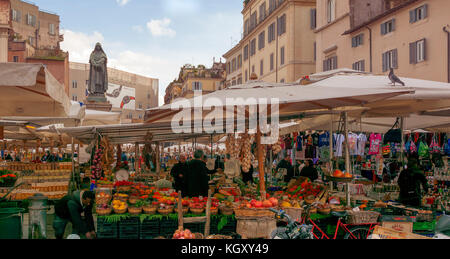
x=394 y=79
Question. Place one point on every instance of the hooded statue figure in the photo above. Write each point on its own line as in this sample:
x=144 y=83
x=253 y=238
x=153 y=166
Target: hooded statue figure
x=98 y=74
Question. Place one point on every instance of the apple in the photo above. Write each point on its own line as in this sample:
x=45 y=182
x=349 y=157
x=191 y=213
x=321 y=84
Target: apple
x=274 y=201
x=258 y=204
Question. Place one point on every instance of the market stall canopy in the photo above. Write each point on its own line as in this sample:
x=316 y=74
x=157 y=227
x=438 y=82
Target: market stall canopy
x=30 y=90
x=426 y=95
x=94 y=117
x=124 y=133
x=293 y=99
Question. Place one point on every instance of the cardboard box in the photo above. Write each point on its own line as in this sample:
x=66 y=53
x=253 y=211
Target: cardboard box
x=399 y=226
x=386 y=233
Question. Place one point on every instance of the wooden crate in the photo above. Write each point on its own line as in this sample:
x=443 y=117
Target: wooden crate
x=252 y=228
x=386 y=233
x=399 y=226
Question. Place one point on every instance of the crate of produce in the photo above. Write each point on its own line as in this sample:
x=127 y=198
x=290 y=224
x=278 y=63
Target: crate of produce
x=168 y=227
x=424 y=226
x=129 y=228
x=397 y=218
x=106 y=230
x=362 y=217
x=130 y=221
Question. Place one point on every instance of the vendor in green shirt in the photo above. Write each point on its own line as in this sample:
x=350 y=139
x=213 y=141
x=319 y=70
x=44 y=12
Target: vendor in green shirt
x=70 y=209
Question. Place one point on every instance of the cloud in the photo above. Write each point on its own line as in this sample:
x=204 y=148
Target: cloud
x=80 y=45
x=137 y=28
x=160 y=28
x=123 y=2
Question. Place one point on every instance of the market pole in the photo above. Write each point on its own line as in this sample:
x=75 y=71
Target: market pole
x=208 y=214
x=157 y=158
x=136 y=159
x=402 y=147
x=180 y=211
x=78 y=155
x=331 y=150
x=262 y=186
x=347 y=157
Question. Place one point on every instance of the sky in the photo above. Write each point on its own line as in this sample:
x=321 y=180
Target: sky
x=152 y=38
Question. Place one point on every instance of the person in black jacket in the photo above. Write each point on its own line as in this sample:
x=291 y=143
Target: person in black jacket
x=286 y=164
x=410 y=181
x=310 y=171
x=178 y=173
x=198 y=176
x=69 y=209
x=247 y=177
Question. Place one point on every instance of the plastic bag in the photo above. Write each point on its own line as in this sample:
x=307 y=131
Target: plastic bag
x=423 y=149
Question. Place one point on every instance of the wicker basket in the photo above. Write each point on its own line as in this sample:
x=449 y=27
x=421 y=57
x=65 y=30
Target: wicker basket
x=253 y=213
x=199 y=236
x=293 y=213
x=362 y=217
x=324 y=211
x=214 y=211
x=149 y=210
x=121 y=198
x=105 y=186
x=227 y=211
x=309 y=201
x=219 y=237
x=197 y=211
x=103 y=212
x=124 y=188
x=185 y=210
x=102 y=200
x=134 y=210
x=133 y=199
x=165 y=211
x=116 y=211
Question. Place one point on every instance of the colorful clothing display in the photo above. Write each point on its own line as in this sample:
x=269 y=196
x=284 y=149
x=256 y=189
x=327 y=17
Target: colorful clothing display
x=375 y=141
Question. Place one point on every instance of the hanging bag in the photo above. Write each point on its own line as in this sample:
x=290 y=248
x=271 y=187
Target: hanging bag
x=435 y=148
x=394 y=135
x=447 y=147
x=423 y=149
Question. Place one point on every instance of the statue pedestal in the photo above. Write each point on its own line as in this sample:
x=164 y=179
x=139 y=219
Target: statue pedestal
x=98 y=102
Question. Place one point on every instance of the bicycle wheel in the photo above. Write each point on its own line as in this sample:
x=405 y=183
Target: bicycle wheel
x=358 y=233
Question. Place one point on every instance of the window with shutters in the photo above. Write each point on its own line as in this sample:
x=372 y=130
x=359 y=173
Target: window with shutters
x=418 y=14
x=253 y=47
x=233 y=65
x=313 y=18
x=31 y=40
x=388 y=27
x=229 y=68
x=233 y=83
x=271 y=33
x=31 y=20
x=253 y=21
x=196 y=86
x=330 y=63
x=246 y=27
x=359 y=66
x=357 y=40
x=246 y=52
x=281 y=25
x=282 y=80
x=261 y=40
x=16 y=59
x=16 y=15
x=272 y=6
x=246 y=75
x=390 y=60
x=417 y=51
x=282 y=56
x=262 y=12
x=331 y=10
x=271 y=62
x=74 y=84
x=75 y=98
x=261 y=67
x=239 y=81
x=253 y=68
x=51 y=29
x=239 y=61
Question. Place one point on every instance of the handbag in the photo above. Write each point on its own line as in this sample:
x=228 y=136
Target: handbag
x=435 y=148
x=394 y=135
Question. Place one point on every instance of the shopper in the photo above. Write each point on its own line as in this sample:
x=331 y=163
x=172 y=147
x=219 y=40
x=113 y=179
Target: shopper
x=286 y=164
x=178 y=172
x=247 y=177
x=197 y=176
x=310 y=171
x=410 y=181
x=69 y=209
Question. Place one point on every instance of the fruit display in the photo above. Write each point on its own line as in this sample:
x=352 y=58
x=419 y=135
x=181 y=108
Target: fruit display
x=120 y=207
x=183 y=234
x=103 y=196
x=339 y=174
x=303 y=190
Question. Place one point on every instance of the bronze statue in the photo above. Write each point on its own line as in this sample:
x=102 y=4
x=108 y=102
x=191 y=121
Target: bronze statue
x=98 y=74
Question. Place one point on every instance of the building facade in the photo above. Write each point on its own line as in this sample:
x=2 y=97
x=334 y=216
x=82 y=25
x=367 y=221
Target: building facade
x=277 y=44
x=193 y=79
x=146 y=89
x=31 y=35
x=373 y=36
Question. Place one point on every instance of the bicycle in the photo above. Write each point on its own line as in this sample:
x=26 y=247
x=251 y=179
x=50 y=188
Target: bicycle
x=352 y=231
